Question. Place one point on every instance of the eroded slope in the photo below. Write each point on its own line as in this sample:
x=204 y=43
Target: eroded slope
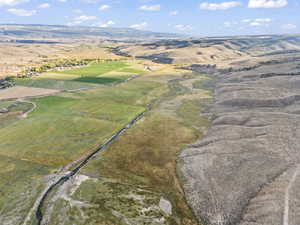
x=246 y=169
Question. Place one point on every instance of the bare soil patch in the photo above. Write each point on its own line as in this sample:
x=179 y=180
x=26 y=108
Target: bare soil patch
x=23 y=92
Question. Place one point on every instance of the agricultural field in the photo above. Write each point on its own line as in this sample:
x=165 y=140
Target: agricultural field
x=56 y=84
x=65 y=127
x=109 y=126
x=89 y=76
x=87 y=106
x=136 y=178
x=96 y=69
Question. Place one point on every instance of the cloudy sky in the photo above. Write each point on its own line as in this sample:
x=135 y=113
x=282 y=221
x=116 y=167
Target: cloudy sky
x=196 y=17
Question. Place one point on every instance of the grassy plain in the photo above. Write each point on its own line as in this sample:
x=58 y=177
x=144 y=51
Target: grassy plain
x=57 y=84
x=76 y=121
x=145 y=157
x=139 y=169
x=69 y=125
x=60 y=130
x=10 y=111
x=5 y=104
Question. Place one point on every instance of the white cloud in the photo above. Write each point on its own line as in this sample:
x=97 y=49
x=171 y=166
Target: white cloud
x=62 y=0
x=22 y=12
x=219 y=6
x=108 y=23
x=44 y=6
x=263 y=20
x=12 y=2
x=254 y=24
x=250 y=22
x=140 y=26
x=174 y=13
x=246 y=20
x=258 y=22
x=230 y=23
x=267 y=3
x=183 y=27
x=150 y=7
x=83 y=18
x=104 y=7
x=289 y=26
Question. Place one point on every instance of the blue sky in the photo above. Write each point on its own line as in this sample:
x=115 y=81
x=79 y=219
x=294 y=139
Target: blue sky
x=196 y=17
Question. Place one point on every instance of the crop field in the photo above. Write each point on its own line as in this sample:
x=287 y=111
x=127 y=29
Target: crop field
x=65 y=127
x=90 y=76
x=96 y=69
x=75 y=121
x=53 y=83
x=62 y=129
x=118 y=126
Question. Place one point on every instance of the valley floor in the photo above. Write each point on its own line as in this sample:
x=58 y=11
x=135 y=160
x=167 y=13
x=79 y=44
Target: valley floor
x=139 y=139
x=134 y=181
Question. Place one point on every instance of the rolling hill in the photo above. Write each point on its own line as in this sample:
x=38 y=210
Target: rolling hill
x=59 y=31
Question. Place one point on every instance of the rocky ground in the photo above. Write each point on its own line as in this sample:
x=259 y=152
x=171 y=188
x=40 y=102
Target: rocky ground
x=246 y=170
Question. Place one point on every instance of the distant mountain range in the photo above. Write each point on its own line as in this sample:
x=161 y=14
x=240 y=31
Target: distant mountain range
x=60 y=31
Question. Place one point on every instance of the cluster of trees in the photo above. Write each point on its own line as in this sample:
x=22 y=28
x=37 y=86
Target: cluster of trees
x=56 y=64
x=6 y=82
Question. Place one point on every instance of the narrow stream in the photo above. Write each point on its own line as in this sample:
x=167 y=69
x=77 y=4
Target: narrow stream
x=62 y=180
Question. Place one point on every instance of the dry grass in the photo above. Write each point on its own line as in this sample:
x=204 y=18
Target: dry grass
x=215 y=54
x=15 y=57
x=22 y=92
x=89 y=51
x=146 y=155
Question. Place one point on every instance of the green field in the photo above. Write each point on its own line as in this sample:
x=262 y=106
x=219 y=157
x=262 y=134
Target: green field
x=21 y=181
x=90 y=76
x=145 y=156
x=102 y=80
x=64 y=128
x=96 y=69
x=53 y=83
x=60 y=130
x=5 y=104
x=139 y=168
x=11 y=111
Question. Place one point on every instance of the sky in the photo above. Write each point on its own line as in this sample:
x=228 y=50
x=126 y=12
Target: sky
x=192 y=17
